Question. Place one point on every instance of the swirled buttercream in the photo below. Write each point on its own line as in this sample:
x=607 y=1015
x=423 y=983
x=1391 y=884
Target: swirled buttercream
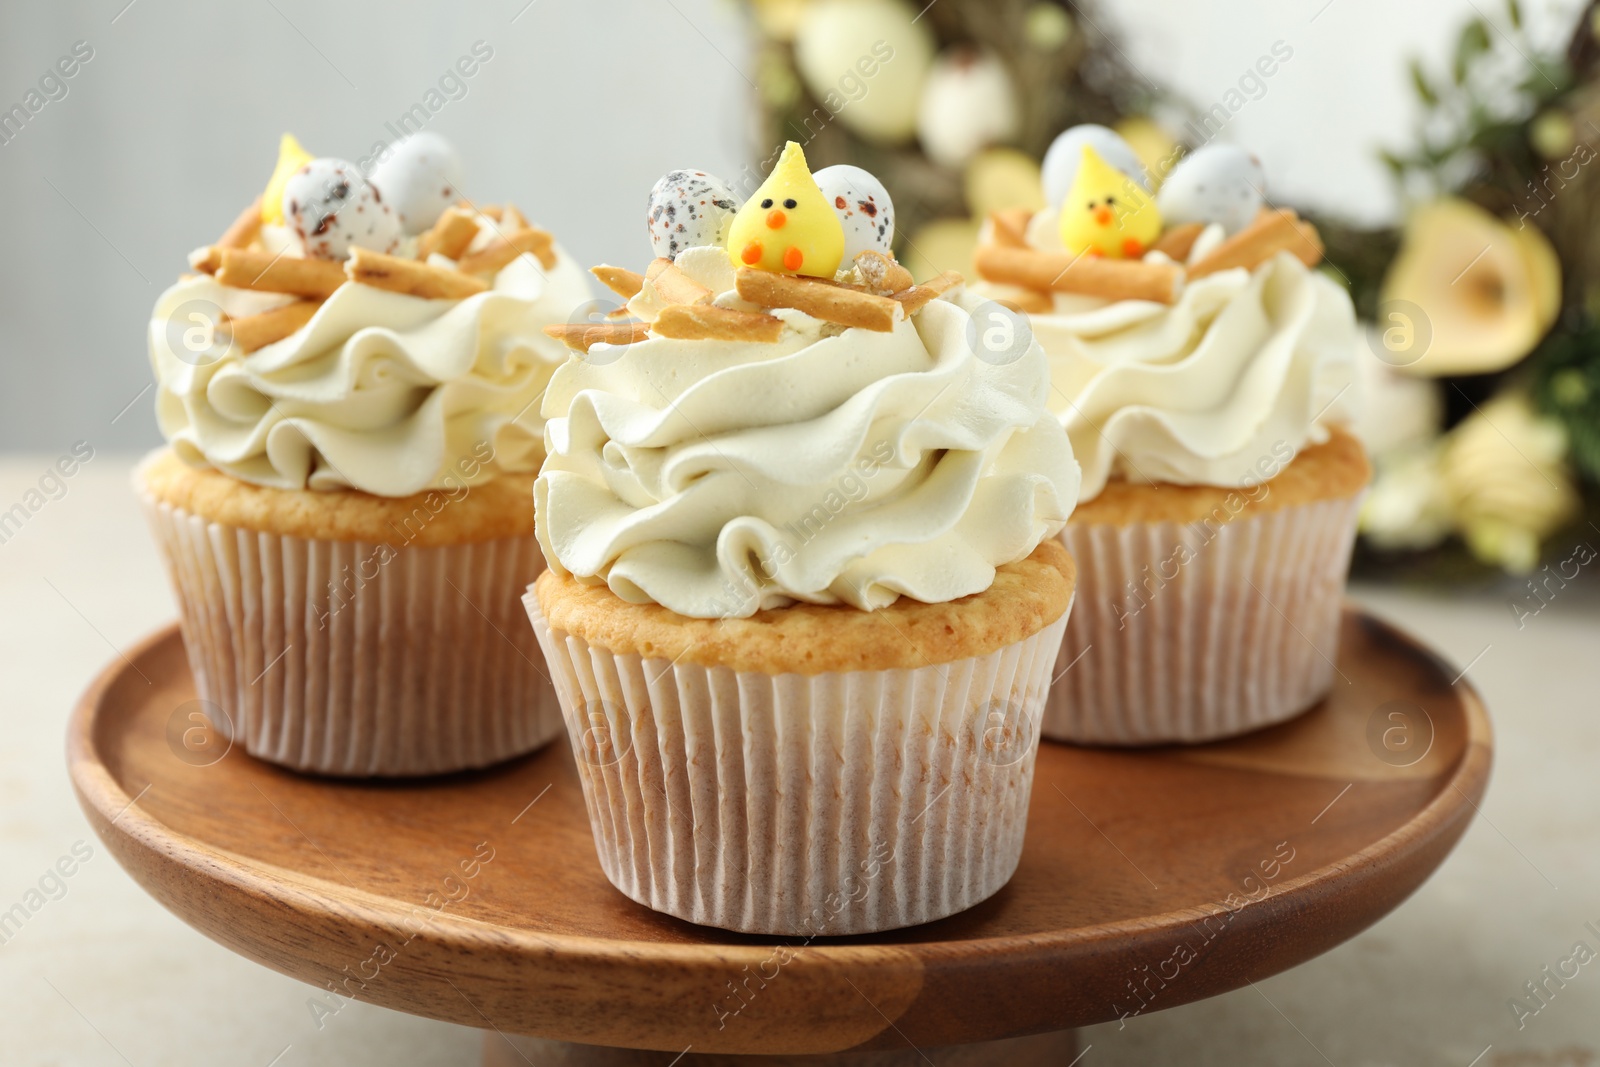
x=1207 y=390
x=831 y=467
x=382 y=392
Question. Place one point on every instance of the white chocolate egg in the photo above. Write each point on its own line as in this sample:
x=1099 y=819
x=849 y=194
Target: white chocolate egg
x=1217 y=183
x=332 y=209
x=968 y=103
x=688 y=209
x=863 y=207
x=420 y=178
x=1060 y=167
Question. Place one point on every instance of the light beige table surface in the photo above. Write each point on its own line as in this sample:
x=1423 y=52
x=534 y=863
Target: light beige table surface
x=101 y=974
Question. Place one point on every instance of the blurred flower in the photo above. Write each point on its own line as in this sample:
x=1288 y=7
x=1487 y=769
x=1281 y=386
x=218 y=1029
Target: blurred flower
x=1487 y=291
x=967 y=103
x=1151 y=143
x=839 y=41
x=1506 y=478
x=1047 y=26
x=1406 y=509
x=941 y=245
x=998 y=178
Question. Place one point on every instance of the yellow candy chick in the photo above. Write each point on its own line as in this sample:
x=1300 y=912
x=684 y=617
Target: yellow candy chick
x=291 y=157
x=788 y=226
x=1107 y=213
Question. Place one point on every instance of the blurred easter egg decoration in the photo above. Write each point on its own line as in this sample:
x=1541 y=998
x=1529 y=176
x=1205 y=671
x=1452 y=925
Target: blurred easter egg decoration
x=1489 y=291
x=866 y=61
x=1001 y=178
x=1047 y=26
x=968 y=103
x=1552 y=134
x=1151 y=143
x=941 y=245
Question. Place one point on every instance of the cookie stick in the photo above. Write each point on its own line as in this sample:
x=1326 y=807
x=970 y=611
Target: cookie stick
x=411 y=276
x=582 y=335
x=508 y=246
x=249 y=268
x=251 y=332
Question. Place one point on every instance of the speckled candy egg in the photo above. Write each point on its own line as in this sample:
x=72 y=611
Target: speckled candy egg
x=688 y=209
x=863 y=207
x=1217 y=183
x=419 y=179
x=332 y=209
x=1061 y=161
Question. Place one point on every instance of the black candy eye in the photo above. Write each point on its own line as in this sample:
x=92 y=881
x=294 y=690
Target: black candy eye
x=790 y=204
x=767 y=202
x=1110 y=200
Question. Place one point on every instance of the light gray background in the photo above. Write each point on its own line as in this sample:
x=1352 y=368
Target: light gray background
x=172 y=127
x=168 y=132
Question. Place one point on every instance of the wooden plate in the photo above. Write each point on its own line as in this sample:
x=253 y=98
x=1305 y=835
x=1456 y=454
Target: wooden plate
x=1149 y=879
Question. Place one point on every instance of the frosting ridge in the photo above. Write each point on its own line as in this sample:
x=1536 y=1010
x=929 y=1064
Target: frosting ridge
x=1202 y=391
x=379 y=392
x=830 y=467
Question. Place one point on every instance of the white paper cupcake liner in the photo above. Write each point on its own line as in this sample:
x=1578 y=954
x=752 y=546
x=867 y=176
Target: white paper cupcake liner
x=347 y=658
x=796 y=805
x=1194 y=632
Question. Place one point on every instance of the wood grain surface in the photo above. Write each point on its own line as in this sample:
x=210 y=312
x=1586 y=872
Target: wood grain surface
x=1149 y=879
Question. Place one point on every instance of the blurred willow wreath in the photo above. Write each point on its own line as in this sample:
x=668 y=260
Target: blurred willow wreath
x=1483 y=376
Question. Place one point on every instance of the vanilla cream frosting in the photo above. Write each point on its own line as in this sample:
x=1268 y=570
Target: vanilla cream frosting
x=834 y=466
x=1244 y=368
x=382 y=392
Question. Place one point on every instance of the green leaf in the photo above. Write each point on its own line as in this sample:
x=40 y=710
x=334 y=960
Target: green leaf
x=1474 y=42
x=1419 y=79
x=1567 y=386
x=1396 y=165
x=1514 y=12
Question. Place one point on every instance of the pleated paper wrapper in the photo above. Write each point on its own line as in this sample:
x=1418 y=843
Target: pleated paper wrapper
x=1195 y=632
x=804 y=806
x=426 y=668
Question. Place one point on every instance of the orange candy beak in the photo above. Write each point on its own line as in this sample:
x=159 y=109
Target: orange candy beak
x=776 y=218
x=1103 y=215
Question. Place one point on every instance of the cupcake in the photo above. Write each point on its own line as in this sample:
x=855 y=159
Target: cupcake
x=804 y=594
x=1202 y=369
x=349 y=384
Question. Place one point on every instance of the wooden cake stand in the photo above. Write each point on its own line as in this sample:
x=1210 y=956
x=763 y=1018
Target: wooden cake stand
x=1150 y=879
